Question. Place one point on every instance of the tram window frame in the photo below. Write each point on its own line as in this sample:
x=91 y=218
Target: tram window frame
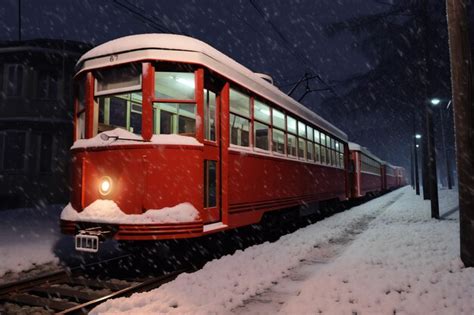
x=162 y=104
x=259 y=140
x=277 y=145
x=239 y=138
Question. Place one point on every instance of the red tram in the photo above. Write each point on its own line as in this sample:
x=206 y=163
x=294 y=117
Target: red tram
x=366 y=170
x=173 y=139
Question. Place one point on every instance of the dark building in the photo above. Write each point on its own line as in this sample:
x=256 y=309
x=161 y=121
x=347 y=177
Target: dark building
x=36 y=106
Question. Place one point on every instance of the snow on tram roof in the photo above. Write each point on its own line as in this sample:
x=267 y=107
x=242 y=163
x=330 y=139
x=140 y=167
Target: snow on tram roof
x=357 y=147
x=181 y=48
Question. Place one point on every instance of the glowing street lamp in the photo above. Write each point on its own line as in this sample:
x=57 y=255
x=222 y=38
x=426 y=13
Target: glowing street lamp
x=435 y=101
x=418 y=136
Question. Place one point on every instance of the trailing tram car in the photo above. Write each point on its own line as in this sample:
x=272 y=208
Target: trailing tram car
x=365 y=172
x=389 y=172
x=173 y=139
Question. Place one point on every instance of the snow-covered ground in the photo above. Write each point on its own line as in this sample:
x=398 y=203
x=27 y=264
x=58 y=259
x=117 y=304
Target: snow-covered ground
x=27 y=238
x=384 y=257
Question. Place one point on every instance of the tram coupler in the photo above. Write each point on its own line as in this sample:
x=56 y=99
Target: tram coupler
x=88 y=240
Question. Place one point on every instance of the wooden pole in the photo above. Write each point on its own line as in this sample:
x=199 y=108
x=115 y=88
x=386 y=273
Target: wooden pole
x=463 y=108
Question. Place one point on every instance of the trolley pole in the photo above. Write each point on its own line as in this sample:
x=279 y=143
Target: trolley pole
x=463 y=109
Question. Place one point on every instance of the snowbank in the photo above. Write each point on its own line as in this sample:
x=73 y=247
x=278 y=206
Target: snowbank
x=27 y=237
x=404 y=263
x=225 y=283
x=107 y=211
x=131 y=138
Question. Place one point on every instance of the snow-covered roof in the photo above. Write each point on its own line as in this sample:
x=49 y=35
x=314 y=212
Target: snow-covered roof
x=357 y=147
x=178 y=48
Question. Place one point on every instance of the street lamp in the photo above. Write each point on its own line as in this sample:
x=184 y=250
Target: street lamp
x=435 y=101
x=418 y=136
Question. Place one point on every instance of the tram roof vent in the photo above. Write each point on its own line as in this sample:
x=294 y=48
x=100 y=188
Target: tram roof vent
x=266 y=77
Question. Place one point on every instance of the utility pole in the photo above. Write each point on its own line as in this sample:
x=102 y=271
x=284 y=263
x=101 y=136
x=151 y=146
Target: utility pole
x=463 y=109
x=429 y=142
x=19 y=20
x=412 y=168
x=415 y=149
x=445 y=149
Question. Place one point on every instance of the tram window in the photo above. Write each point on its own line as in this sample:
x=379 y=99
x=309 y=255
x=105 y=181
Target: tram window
x=310 y=133
x=239 y=130
x=172 y=118
x=174 y=85
x=341 y=160
x=291 y=124
x=122 y=110
x=291 y=145
x=309 y=153
x=323 y=155
x=118 y=78
x=261 y=112
x=210 y=115
x=317 y=152
x=261 y=136
x=81 y=110
x=316 y=136
x=323 y=138
x=301 y=129
x=301 y=148
x=278 y=119
x=210 y=176
x=278 y=141
x=239 y=103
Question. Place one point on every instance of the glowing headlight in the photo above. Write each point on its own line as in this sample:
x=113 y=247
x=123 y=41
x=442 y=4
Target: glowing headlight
x=105 y=185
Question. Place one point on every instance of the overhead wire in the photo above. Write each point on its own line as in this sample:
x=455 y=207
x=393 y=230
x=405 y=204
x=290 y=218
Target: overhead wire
x=295 y=54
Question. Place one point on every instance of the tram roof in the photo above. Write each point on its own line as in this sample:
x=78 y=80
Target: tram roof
x=181 y=48
x=357 y=147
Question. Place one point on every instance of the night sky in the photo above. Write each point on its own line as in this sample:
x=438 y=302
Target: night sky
x=298 y=44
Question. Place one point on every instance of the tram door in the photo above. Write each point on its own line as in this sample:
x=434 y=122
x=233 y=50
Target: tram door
x=212 y=151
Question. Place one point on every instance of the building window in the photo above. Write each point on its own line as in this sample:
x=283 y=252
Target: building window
x=14 y=78
x=46 y=153
x=13 y=148
x=47 y=85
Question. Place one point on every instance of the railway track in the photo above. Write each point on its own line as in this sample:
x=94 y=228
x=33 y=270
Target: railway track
x=72 y=291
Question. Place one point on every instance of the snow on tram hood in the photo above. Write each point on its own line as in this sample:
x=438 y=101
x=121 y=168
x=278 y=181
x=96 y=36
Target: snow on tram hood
x=127 y=137
x=107 y=211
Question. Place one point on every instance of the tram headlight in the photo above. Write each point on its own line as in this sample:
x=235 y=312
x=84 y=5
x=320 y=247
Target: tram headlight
x=105 y=185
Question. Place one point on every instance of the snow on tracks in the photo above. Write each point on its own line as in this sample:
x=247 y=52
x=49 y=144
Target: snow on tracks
x=226 y=283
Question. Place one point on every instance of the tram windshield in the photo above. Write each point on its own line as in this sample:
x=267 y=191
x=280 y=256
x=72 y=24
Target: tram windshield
x=119 y=98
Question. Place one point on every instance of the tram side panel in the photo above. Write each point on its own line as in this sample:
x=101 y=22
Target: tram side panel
x=260 y=183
